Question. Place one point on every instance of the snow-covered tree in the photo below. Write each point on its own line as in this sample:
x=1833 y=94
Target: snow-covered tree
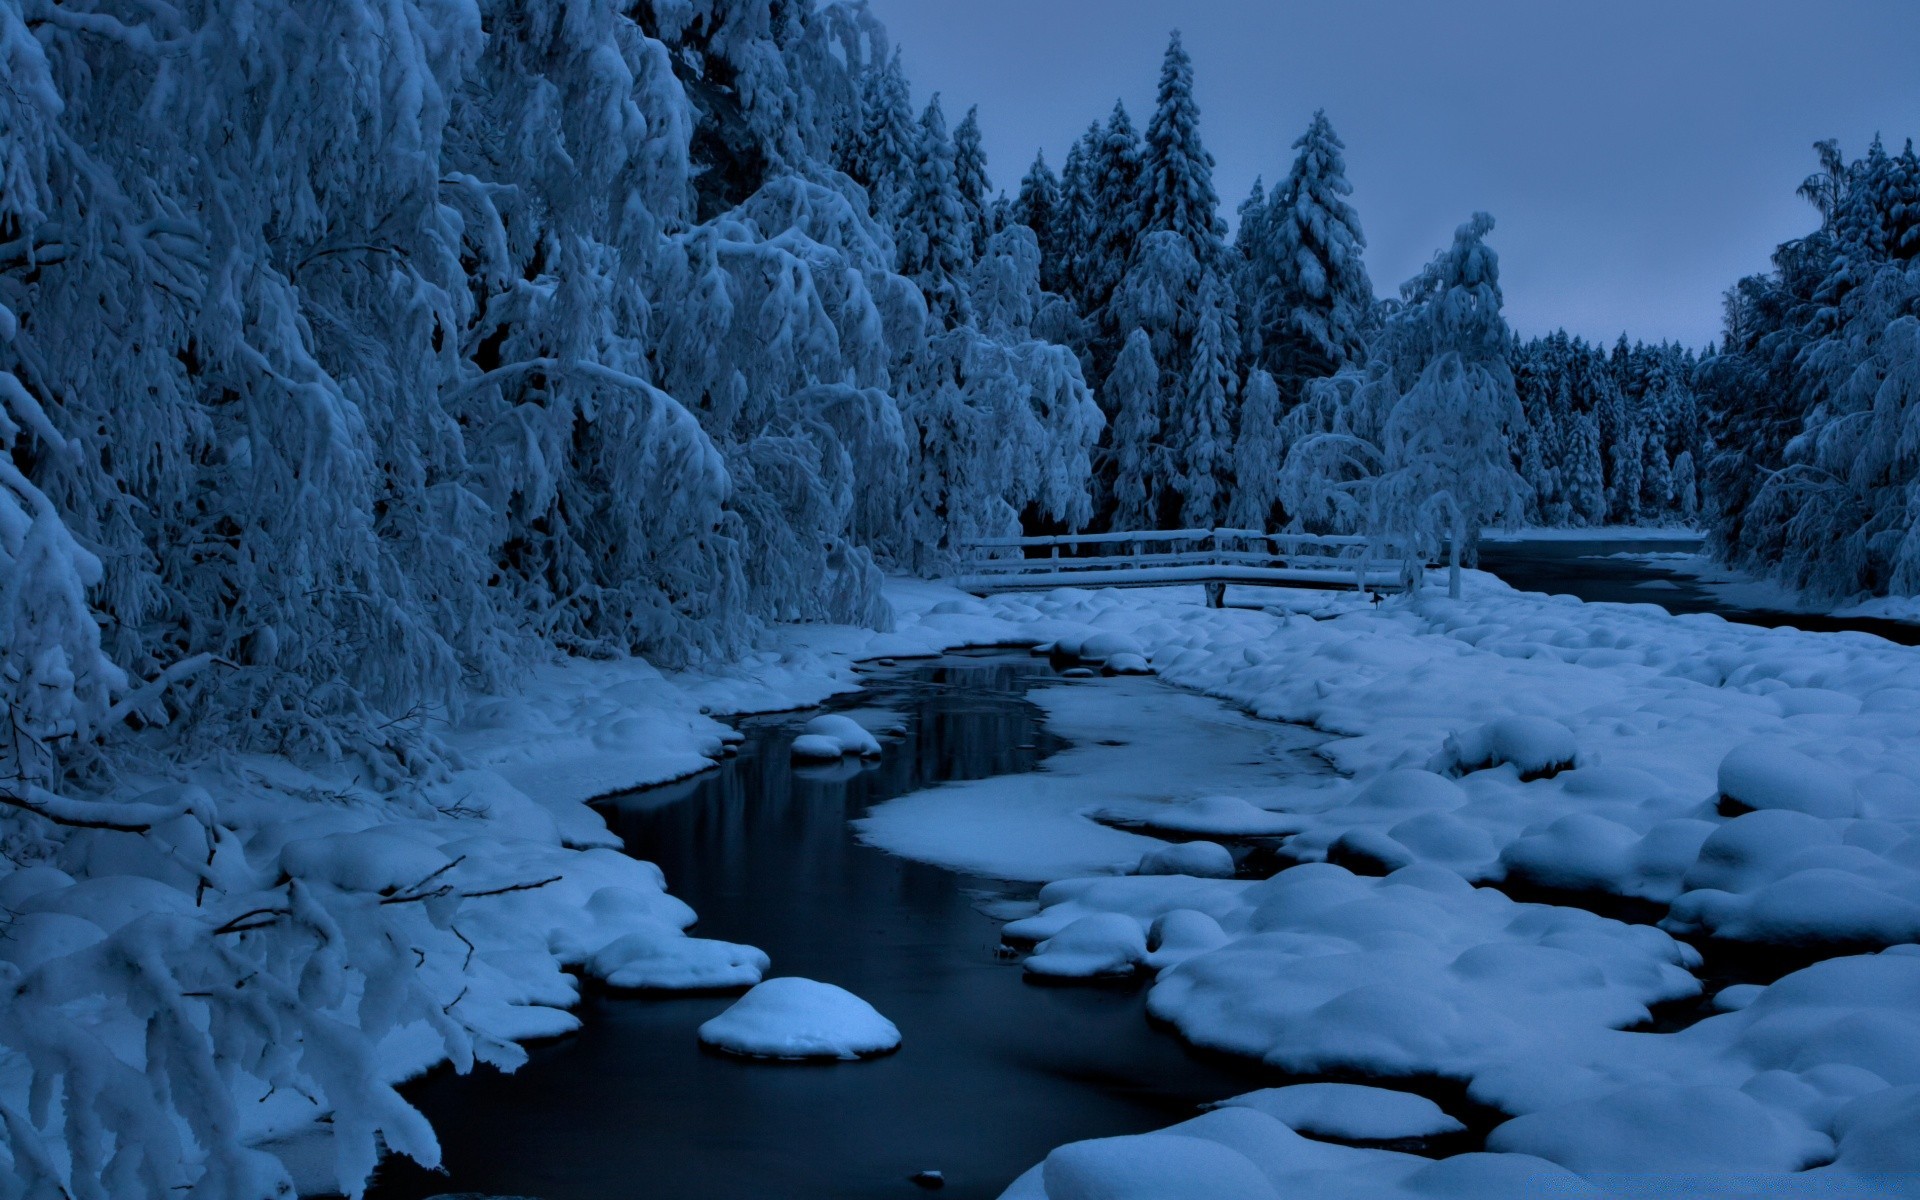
x=1586 y=485
x=1038 y=207
x=1307 y=291
x=1176 y=179
x=1132 y=393
x=1686 y=493
x=880 y=154
x=1258 y=453
x=934 y=231
x=1442 y=466
x=1199 y=421
x=970 y=178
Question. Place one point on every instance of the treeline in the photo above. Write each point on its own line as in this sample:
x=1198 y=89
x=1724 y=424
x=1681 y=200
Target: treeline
x=1814 y=398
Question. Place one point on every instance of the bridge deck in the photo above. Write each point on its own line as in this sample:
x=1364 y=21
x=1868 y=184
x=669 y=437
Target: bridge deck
x=1213 y=557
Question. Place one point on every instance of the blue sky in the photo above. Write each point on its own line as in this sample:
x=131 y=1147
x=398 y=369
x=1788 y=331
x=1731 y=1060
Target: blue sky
x=1639 y=155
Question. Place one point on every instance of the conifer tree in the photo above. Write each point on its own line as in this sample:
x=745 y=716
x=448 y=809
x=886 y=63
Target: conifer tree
x=1132 y=393
x=1258 y=451
x=970 y=177
x=1310 y=300
x=880 y=156
x=1177 y=176
x=1075 y=222
x=1038 y=207
x=1199 y=434
x=1586 y=487
x=1116 y=215
x=933 y=236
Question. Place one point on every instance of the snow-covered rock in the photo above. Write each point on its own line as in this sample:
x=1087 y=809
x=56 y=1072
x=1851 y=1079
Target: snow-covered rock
x=1104 y=944
x=831 y=735
x=800 y=1018
x=1349 y=1111
x=1202 y=859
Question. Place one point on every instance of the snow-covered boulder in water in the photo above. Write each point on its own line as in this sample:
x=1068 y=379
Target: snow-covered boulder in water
x=831 y=736
x=1101 y=945
x=794 y=1018
x=1203 y=860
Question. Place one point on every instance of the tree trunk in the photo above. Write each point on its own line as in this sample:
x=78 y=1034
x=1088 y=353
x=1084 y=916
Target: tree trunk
x=1453 y=561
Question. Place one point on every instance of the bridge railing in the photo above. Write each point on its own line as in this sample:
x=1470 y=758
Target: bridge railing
x=1125 y=558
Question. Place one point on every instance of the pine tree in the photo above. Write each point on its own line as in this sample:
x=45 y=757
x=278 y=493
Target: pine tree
x=1629 y=454
x=1258 y=451
x=970 y=177
x=1586 y=489
x=1311 y=300
x=1116 y=215
x=1038 y=207
x=881 y=154
x=1686 y=493
x=1177 y=178
x=934 y=238
x=1077 y=219
x=1199 y=434
x=1132 y=394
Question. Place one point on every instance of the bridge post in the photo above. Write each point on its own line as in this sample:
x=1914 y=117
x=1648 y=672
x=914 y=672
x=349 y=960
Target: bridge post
x=1216 y=595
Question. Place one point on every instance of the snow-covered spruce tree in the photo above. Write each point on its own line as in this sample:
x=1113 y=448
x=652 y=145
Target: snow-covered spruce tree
x=1199 y=420
x=1308 y=296
x=1686 y=491
x=1132 y=393
x=1812 y=481
x=1176 y=178
x=881 y=152
x=934 y=233
x=1074 y=222
x=1258 y=452
x=1038 y=207
x=970 y=178
x=1115 y=221
x=1586 y=485
x=1629 y=455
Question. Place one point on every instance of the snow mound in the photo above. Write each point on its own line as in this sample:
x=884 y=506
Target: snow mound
x=367 y=860
x=1203 y=860
x=1537 y=747
x=1765 y=775
x=1351 y=1111
x=792 y=1018
x=1102 y=945
x=1223 y=816
x=661 y=957
x=1237 y=1153
x=830 y=736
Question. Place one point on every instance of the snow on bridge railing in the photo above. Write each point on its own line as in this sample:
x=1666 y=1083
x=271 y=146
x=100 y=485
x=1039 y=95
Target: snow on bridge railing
x=1213 y=557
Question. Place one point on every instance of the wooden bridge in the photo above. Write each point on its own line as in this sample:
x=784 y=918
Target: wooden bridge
x=1212 y=557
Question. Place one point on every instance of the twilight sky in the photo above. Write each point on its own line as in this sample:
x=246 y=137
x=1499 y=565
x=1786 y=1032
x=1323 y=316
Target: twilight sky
x=1638 y=155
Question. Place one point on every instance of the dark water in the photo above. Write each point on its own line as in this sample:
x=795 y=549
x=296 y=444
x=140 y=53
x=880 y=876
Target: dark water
x=1583 y=569
x=993 y=1072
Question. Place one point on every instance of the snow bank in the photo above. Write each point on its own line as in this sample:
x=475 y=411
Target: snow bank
x=1350 y=1111
x=794 y=1018
x=1205 y=860
x=831 y=735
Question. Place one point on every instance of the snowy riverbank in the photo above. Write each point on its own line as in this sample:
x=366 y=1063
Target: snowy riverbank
x=1507 y=738
x=1760 y=784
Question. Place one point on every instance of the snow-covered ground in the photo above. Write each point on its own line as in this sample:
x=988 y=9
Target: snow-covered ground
x=1764 y=784
x=1506 y=738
